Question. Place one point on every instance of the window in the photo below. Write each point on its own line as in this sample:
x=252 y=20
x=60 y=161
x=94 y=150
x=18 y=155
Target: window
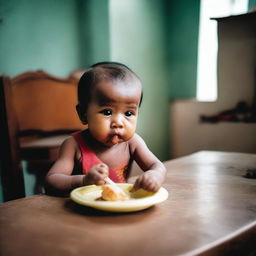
x=208 y=47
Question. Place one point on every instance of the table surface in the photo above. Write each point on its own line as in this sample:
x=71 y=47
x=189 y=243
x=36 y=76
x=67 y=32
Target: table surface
x=211 y=210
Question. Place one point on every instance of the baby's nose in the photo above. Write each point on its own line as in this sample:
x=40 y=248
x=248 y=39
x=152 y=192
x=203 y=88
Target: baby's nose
x=117 y=122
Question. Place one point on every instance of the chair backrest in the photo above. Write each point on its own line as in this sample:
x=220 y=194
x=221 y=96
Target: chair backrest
x=11 y=170
x=38 y=104
x=45 y=103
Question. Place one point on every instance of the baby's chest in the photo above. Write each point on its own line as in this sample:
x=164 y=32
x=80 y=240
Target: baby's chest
x=114 y=158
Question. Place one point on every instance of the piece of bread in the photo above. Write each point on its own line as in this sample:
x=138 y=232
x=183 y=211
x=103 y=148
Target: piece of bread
x=113 y=193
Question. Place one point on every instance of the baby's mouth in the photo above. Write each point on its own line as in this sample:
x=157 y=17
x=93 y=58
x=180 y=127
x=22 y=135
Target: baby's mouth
x=115 y=138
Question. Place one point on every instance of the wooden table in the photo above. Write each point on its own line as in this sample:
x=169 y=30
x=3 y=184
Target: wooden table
x=211 y=210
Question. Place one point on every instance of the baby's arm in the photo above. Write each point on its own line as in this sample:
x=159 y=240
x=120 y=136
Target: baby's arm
x=60 y=175
x=154 y=171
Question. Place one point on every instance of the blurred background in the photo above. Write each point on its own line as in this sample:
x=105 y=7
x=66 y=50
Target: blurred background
x=160 y=40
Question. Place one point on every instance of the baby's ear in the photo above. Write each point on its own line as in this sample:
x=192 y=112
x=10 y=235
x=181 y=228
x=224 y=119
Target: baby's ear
x=81 y=116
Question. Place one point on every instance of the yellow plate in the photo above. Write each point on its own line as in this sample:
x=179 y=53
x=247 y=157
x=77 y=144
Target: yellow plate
x=141 y=199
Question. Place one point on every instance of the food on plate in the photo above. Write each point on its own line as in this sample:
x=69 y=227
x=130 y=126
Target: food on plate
x=113 y=193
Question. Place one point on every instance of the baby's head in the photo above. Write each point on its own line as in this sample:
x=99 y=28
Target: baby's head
x=109 y=96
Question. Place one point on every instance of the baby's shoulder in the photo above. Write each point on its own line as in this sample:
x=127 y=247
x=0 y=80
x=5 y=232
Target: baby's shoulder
x=135 y=141
x=135 y=138
x=70 y=148
x=69 y=140
x=69 y=143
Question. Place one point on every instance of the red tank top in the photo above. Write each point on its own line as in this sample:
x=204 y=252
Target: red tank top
x=89 y=159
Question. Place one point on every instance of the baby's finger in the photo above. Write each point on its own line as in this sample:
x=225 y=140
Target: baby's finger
x=147 y=185
x=102 y=169
x=102 y=165
x=137 y=184
x=152 y=187
x=98 y=179
x=96 y=176
x=100 y=182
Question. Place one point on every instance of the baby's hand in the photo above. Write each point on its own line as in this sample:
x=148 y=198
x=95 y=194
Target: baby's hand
x=96 y=175
x=151 y=180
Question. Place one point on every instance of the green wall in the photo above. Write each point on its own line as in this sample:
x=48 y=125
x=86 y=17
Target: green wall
x=93 y=31
x=38 y=35
x=139 y=42
x=182 y=19
x=56 y=36
x=251 y=5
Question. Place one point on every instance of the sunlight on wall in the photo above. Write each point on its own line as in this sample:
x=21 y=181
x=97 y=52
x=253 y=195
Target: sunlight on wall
x=208 y=43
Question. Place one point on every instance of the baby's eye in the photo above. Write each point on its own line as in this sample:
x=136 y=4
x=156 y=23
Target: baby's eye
x=106 y=112
x=128 y=113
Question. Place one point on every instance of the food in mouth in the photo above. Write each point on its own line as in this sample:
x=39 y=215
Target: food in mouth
x=115 y=139
x=113 y=193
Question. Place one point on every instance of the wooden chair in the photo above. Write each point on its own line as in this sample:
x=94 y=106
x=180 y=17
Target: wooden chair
x=43 y=111
x=11 y=171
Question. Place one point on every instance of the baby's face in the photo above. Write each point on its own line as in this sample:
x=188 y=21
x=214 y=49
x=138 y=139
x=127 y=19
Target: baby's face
x=113 y=111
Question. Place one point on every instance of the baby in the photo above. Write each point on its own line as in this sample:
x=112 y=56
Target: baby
x=109 y=97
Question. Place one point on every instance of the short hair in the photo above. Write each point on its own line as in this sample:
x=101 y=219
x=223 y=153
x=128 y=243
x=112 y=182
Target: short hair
x=113 y=71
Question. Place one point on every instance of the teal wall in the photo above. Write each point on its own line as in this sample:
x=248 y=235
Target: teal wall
x=140 y=43
x=93 y=31
x=38 y=35
x=251 y=5
x=56 y=36
x=182 y=19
